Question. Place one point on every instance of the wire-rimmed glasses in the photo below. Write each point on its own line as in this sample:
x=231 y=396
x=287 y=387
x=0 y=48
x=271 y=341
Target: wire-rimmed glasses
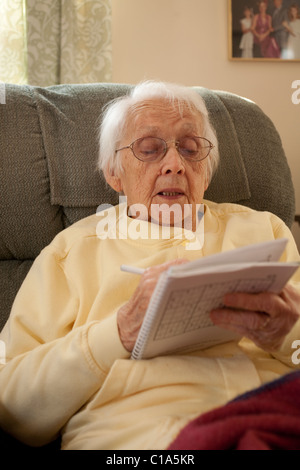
x=153 y=149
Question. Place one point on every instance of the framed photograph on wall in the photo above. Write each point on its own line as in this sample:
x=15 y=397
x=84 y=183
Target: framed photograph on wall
x=264 y=30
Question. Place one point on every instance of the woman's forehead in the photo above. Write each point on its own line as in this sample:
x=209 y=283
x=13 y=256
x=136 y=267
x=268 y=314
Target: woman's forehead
x=155 y=113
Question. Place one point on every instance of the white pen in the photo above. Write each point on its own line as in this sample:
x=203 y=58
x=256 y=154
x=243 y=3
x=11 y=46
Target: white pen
x=132 y=269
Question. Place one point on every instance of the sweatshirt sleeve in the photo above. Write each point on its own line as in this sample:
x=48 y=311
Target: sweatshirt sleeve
x=286 y=352
x=52 y=367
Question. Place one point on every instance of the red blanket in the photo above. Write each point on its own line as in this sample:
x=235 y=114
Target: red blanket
x=265 y=419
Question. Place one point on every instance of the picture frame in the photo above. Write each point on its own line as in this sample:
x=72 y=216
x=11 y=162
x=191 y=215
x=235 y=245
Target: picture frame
x=258 y=31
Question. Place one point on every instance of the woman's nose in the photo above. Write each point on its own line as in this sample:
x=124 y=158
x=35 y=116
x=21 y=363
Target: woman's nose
x=172 y=161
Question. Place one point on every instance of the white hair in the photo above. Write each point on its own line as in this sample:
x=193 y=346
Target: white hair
x=114 y=121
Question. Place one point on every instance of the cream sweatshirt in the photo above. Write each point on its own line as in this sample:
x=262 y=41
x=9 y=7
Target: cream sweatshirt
x=66 y=369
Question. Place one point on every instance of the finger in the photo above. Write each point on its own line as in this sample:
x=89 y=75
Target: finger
x=257 y=327
x=265 y=302
x=151 y=274
x=241 y=319
x=164 y=266
x=291 y=295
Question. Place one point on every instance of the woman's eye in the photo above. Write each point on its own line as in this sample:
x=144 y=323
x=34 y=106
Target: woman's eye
x=149 y=151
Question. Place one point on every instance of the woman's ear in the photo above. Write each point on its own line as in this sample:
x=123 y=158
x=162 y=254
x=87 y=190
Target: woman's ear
x=206 y=182
x=113 y=180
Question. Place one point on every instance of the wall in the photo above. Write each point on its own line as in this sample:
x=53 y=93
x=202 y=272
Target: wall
x=186 y=41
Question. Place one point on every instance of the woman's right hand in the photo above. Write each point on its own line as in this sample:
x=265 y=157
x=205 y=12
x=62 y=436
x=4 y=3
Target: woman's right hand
x=130 y=316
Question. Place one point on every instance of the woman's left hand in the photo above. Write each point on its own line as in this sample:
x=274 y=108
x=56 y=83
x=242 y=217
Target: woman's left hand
x=265 y=318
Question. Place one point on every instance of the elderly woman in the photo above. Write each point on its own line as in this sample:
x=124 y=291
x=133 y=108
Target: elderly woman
x=77 y=316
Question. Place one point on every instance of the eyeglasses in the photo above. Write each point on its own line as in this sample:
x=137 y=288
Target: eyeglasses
x=153 y=149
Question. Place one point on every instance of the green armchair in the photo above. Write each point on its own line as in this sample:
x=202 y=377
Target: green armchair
x=49 y=179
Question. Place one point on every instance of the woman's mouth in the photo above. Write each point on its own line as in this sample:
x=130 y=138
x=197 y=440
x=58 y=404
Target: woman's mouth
x=171 y=193
x=167 y=193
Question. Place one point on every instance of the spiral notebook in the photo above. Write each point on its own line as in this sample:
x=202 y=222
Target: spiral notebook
x=177 y=318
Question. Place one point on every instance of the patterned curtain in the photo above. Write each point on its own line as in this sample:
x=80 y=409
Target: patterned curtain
x=13 y=64
x=66 y=41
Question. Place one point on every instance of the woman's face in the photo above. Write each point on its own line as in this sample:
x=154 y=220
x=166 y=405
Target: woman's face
x=172 y=180
x=262 y=7
x=294 y=13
